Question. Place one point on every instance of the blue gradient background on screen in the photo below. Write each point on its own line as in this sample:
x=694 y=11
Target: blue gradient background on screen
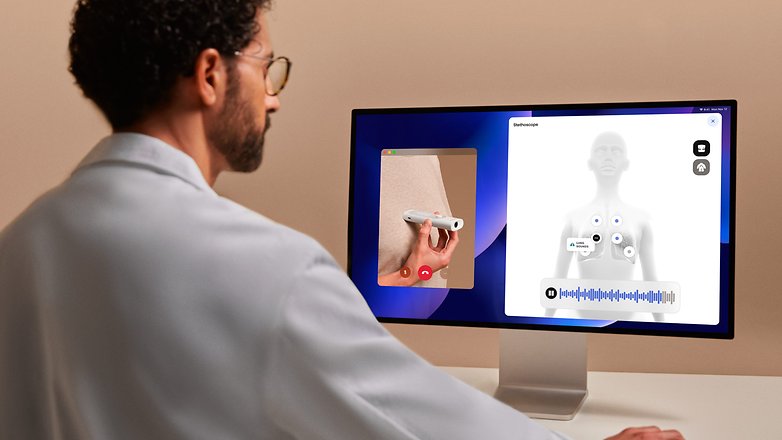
x=487 y=132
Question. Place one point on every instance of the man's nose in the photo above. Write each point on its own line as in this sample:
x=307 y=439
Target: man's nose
x=272 y=103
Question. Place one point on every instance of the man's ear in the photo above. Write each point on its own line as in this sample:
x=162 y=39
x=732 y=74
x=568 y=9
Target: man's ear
x=211 y=76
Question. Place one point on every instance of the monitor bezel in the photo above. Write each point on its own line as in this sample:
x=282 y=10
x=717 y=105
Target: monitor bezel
x=732 y=103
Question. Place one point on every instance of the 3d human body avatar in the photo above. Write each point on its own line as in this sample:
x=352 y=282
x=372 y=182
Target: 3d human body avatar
x=621 y=233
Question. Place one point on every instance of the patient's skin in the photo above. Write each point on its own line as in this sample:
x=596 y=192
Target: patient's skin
x=615 y=256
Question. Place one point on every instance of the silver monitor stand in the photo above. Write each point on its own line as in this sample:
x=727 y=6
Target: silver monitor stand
x=543 y=374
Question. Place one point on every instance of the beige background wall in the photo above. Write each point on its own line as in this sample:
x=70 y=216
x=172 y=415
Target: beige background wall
x=459 y=173
x=349 y=54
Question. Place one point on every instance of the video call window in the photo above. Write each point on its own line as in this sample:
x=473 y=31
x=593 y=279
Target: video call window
x=629 y=225
x=420 y=184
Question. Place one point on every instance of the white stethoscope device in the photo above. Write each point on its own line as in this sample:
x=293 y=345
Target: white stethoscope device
x=438 y=221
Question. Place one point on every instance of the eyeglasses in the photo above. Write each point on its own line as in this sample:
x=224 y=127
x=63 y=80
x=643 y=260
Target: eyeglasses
x=277 y=72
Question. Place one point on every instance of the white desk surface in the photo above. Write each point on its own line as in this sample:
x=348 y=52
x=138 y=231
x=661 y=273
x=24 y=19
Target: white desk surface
x=699 y=406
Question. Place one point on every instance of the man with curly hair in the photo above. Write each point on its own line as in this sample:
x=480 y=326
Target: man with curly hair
x=136 y=303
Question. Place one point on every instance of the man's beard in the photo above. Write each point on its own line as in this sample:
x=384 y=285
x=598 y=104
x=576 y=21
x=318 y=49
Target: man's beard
x=235 y=133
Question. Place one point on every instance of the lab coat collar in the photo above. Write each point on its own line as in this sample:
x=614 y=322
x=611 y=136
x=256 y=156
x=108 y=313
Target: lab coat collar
x=147 y=151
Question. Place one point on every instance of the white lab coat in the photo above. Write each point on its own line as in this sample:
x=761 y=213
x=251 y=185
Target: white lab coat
x=136 y=303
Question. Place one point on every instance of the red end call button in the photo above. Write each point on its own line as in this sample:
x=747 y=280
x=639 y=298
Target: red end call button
x=424 y=272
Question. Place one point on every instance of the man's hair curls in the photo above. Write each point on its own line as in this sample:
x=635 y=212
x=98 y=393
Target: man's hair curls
x=127 y=54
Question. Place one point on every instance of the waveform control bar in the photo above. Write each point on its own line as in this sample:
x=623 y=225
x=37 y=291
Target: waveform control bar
x=611 y=295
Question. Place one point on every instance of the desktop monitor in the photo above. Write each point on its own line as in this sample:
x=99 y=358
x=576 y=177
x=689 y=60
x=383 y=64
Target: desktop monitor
x=602 y=218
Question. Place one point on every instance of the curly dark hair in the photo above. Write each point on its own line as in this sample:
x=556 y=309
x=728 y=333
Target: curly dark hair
x=127 y=54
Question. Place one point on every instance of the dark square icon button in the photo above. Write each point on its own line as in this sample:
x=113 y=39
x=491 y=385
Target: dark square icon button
x=701 y=148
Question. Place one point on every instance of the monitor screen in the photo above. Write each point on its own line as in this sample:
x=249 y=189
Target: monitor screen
x=614 y=217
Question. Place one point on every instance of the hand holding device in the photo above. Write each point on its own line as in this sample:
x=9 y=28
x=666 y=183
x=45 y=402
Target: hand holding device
x=425 y=259
x=424 y=253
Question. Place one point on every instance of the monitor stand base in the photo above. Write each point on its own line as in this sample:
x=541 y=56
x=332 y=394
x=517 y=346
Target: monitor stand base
x=543 y=374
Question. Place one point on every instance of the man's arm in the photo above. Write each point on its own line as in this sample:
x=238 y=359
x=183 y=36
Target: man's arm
x=336 y=373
